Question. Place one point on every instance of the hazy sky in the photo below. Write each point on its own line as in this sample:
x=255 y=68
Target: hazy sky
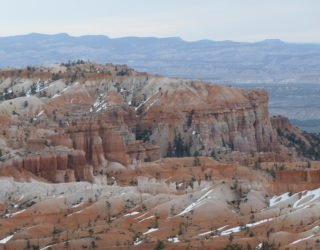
x=241 y=20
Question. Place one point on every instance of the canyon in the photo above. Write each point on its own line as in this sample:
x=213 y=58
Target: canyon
x=104 y=157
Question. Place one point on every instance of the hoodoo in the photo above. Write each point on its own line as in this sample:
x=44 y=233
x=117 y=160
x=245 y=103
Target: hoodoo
x=101 y=155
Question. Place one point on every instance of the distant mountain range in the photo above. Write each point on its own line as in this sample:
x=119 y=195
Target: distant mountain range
x=269 y=61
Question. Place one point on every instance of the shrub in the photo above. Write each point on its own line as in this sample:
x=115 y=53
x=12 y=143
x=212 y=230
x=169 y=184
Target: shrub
x=160 y=245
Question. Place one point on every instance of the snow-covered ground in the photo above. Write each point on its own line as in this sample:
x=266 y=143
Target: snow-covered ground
x=277 y=199
x=151 y=230
x=173 y=239
x=297 y=200
x=303 y=239
x=6 y=239
x=198 y=203
x=131 y=214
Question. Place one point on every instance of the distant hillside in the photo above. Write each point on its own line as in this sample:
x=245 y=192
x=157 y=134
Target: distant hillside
x=269 y=61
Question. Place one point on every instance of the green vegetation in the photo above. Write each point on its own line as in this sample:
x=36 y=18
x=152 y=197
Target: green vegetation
x=73 y=63
x=142 y=134
x=56 y=230
x=7 y=94
x=309 y=149
x=33 y=89
x=25 y=104
x=55 y=77
x=196 y=160
x=160 y=245
x=179 y=148
x=189 y=118
x=213 y=154
x=31 y=68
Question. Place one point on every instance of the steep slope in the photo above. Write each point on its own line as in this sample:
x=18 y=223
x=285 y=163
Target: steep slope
x=209 y=118
x=232 y=205
x=101 y=156
x=112 y=113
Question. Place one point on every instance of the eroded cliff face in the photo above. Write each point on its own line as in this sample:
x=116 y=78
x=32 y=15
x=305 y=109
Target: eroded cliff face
x=295 y=180
x=55 y=165
x=111 y=126
x=114 y=114
x=300 y=143
x=98 y=142
x=209 y=118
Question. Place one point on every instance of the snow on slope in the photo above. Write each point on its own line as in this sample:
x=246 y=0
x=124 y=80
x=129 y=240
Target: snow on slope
x=298 y=200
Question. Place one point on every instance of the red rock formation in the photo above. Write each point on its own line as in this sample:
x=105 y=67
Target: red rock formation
x=295 y=180
x=291 y=176
x=50 y=165
x=36 y=144
x=210 y=117
x=280 y=122
x=99 y=142
x=114 y=147
x=61 y=140
x=298 y=176
x=143 y=152
x=97 y=115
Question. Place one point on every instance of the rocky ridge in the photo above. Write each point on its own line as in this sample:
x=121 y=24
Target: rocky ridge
x=97 y=156
x=105 y=110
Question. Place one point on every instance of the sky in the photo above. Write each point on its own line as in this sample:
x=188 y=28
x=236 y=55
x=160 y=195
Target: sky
x=238 y=20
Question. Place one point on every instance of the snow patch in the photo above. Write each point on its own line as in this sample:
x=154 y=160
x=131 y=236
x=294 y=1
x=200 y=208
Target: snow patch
x=277 y=199
x=14 y=214
x=141 y=216
x=148 y=218
x=131 y=214
x=141 y=104
x=40 y=113
x=19 y=212
x=6 y=239
x=76 y=205
x=137 y=242
x=173 y=239
x=78 y=212
x=238 y=229
x=99 y=105
x=151 y=230
x=259 y=222
x=47 y=247
x=198 y=203
x=304 y=198
x=307 y=198
x=259 y=246
x=231 y=230
x=209 y=232
x=306 y=238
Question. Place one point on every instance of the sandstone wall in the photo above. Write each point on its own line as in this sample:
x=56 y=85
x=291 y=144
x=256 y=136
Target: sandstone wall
x=296 y=180
x=211 y=117
x=51 y=165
